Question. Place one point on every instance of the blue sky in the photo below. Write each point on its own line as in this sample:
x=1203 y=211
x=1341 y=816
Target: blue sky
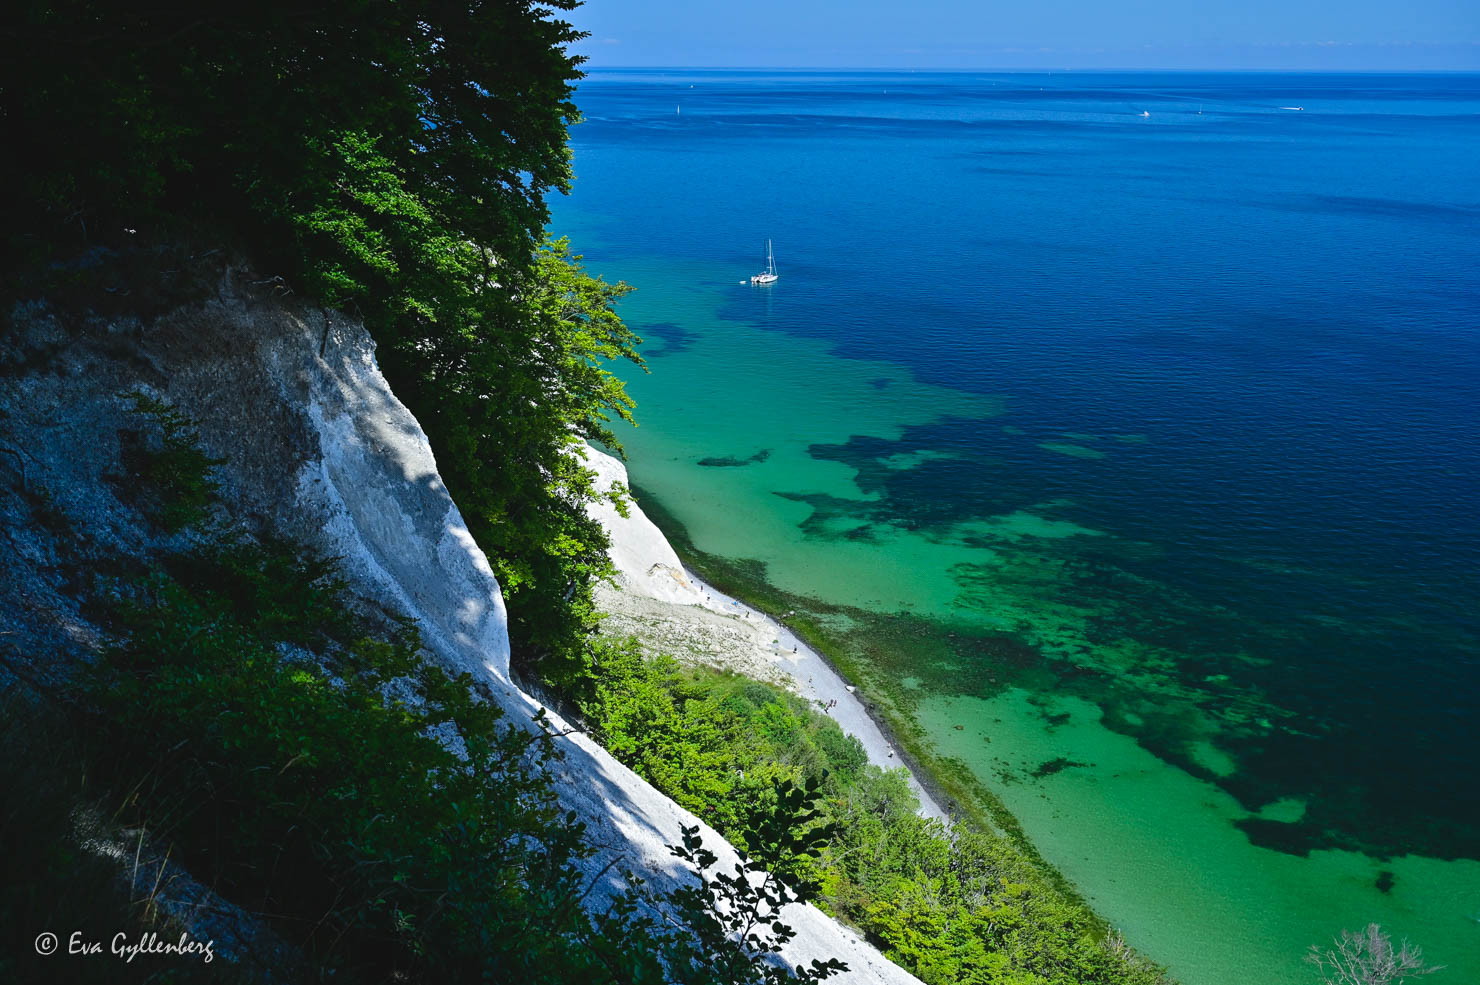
x=1169 y=34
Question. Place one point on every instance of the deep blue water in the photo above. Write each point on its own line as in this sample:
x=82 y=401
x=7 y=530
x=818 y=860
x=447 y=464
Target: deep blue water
x=1285 y=304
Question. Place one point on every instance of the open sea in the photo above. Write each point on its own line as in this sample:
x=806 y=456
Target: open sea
x=1149 y=403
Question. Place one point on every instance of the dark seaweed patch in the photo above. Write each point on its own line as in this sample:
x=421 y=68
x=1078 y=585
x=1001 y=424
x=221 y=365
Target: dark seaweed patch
x=1290 y=838
x=675 y=338
x=835 y=518
x=730 y=462
x=1172 y=639
x=1056 y=765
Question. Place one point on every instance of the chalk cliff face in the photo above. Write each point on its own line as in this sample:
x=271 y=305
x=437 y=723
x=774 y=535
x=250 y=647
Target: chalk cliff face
x=318 y=449
x=645 y=562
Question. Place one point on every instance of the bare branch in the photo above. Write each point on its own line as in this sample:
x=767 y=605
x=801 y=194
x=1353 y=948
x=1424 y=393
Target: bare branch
x=1367 y=957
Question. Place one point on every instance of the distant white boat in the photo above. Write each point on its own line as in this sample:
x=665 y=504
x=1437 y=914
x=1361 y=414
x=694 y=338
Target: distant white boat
x=769 y=275
x=1144 y=113
x=1294 y=109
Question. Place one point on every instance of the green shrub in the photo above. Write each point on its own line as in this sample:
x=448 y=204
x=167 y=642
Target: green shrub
x=384 y=815
x=301 y=791
x=174 y=475
x=56 y=875
x=950 y=907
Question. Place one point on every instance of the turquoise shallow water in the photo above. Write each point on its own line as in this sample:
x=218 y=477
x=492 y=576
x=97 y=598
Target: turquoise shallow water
x=1171 y=419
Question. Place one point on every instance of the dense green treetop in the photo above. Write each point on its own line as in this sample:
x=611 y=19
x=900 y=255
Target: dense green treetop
x=126 y=110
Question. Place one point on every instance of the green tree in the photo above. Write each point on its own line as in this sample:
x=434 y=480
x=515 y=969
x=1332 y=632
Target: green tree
x=128 y=112
x=508 y=401
x=784 y=784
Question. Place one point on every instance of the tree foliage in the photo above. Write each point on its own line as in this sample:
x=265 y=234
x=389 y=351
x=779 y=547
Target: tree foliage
x=508 y=404
x=268 y=776
x=133 y=111
x=391 y=159
x=173 y=474
x=950 y=907
x=251 y=722
x=744 y=907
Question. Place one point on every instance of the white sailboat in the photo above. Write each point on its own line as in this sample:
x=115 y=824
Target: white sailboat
x=769 y=275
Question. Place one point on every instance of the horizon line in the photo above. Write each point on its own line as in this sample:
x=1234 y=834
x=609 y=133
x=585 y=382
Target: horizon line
x=1029 y=69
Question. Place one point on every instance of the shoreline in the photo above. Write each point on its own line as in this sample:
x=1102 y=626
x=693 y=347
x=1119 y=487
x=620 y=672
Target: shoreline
x=646 y=557
x=663 y=602
x=934 y=802
x=949 y=782
x=968 y=801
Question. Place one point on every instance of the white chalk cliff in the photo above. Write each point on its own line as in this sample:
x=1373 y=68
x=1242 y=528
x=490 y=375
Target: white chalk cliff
x=320 y=449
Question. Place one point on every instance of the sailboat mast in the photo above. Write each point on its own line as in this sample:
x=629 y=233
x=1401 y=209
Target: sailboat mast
x=769 y=275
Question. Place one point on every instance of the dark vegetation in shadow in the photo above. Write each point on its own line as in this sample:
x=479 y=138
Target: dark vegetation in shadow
x=59 y=868
x=309 y=764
